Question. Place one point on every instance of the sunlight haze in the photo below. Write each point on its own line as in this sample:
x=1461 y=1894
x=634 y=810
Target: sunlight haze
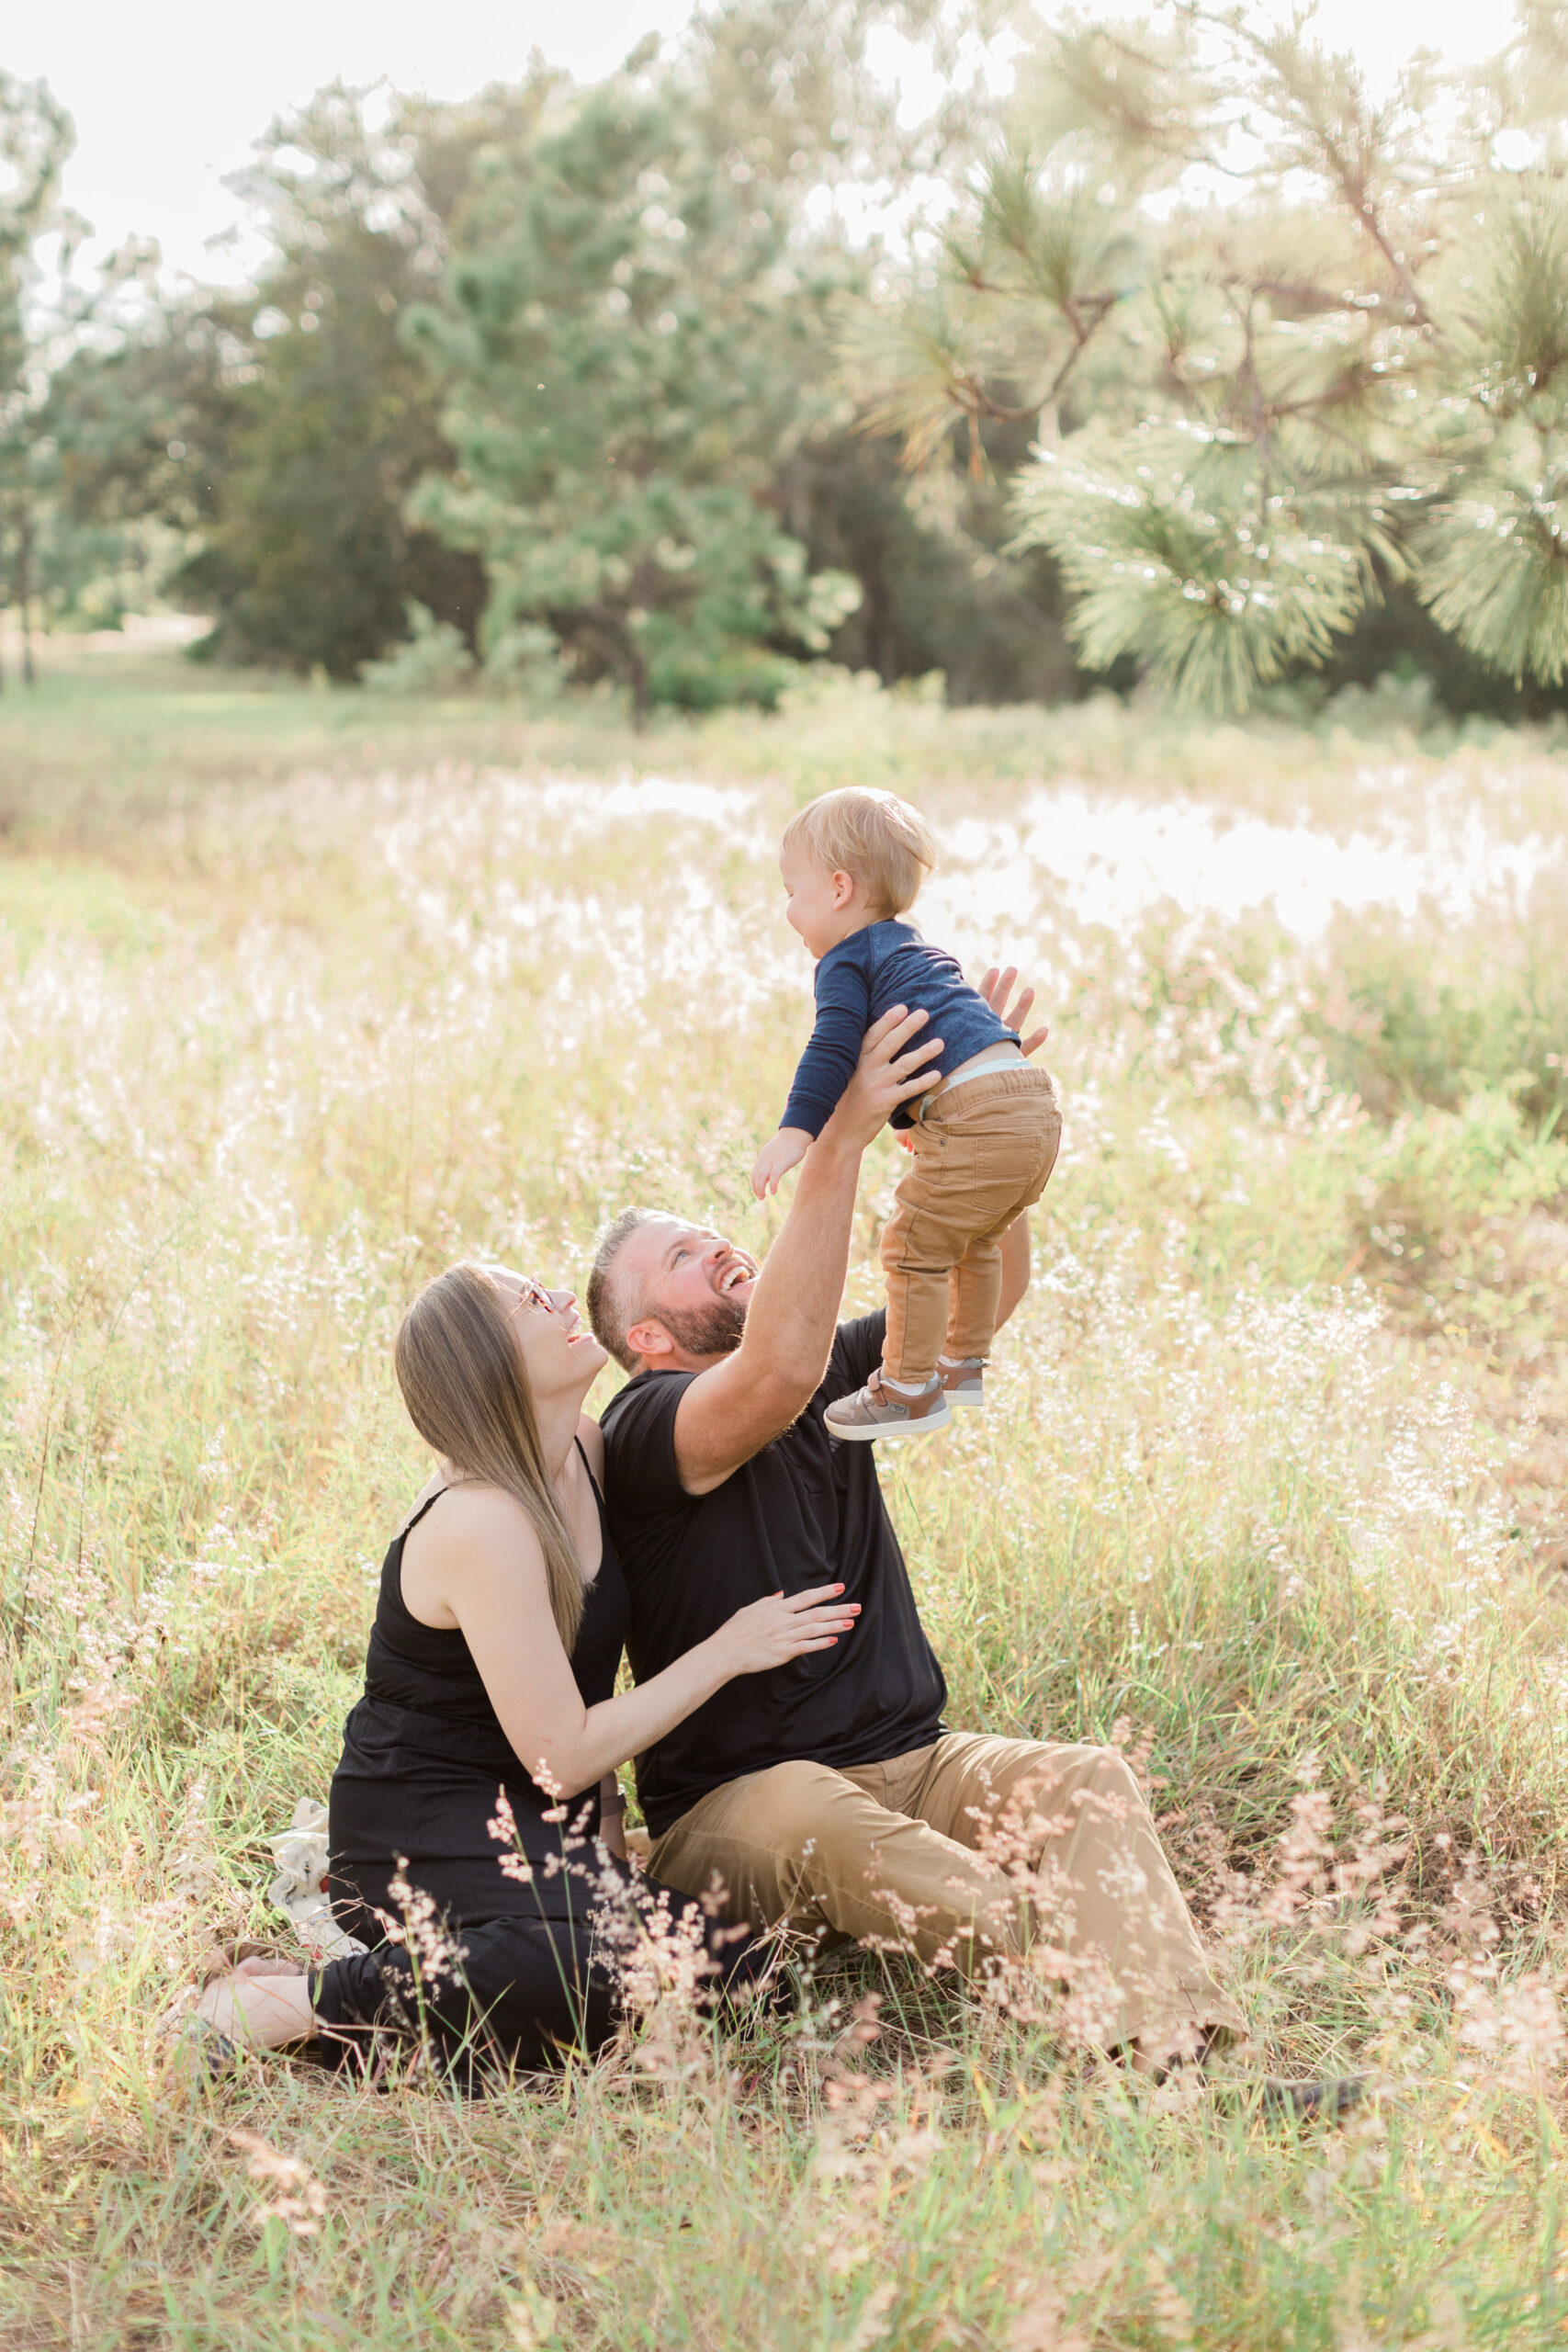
x=168 y=99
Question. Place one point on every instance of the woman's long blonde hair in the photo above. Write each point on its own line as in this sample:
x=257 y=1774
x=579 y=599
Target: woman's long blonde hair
x=461 y=1371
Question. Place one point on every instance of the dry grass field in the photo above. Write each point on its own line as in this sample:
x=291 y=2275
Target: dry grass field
x=303 y=994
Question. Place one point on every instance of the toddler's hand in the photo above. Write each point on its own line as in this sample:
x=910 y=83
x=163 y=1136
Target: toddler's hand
x=787 y=1149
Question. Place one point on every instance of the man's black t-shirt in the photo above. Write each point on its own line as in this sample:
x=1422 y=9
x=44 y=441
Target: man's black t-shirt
x=805 y=1510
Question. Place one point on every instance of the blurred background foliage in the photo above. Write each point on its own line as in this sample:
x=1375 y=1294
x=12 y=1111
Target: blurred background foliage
x=1170 y=351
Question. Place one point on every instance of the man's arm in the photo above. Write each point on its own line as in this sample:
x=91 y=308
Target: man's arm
x=1015 y=1256
x=996 y=988
x=730 y=1412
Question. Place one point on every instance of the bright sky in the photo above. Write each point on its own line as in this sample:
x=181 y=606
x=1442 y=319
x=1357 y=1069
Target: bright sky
x=168 y=95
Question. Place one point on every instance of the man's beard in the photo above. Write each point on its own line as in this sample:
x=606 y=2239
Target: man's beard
x=714 y=1330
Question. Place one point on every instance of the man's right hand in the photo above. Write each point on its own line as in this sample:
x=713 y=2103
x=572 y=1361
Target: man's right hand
x=890 y=1070
x=732 y=1410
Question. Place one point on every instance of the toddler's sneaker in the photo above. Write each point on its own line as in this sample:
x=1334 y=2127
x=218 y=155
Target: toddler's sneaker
x=964 y=1382
x=874 y=1411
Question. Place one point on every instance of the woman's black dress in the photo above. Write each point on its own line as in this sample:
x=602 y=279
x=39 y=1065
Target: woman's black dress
x=424 y=1758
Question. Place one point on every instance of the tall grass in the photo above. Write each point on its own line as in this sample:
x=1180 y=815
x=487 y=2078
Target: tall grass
x=298 y=1000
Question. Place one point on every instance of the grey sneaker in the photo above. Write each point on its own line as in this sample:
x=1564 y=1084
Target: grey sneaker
x=874 y=1411
x=1328 y=2102
x=1328 y=2098
x=964 y=1382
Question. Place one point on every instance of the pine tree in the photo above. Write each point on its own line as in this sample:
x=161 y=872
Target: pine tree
x=252 y=452
x=309 y=558
x=140 y=412
x=629 y=339
x=36 y=141
x=1283 y=343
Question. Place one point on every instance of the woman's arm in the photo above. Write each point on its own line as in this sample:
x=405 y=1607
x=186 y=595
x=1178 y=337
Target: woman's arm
x=483 y=1559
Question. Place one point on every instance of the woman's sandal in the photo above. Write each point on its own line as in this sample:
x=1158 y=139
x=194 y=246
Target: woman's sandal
x=200 y=2053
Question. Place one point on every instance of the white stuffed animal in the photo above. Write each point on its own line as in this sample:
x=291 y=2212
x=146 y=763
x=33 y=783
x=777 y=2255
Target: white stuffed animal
x=300 y=1886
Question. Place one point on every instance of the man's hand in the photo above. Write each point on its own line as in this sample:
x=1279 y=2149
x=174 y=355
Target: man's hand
x=889 y=1072
x=735 y=1407
x=787 y=1150
x=996 y=988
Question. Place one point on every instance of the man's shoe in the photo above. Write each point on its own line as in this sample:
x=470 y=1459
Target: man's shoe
x=1328 y=2102
x=874 y=1411
x=1328 y=2099
x=964 y=1382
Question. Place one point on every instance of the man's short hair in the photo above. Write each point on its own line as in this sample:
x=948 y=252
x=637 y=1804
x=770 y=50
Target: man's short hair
x=615 y=1302
x=873 y=836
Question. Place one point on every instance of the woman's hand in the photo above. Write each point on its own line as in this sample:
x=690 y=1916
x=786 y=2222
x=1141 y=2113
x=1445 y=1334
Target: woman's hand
x=783 y=1626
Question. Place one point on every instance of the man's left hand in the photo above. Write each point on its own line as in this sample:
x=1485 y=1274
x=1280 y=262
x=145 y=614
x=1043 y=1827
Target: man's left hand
x=996 y=988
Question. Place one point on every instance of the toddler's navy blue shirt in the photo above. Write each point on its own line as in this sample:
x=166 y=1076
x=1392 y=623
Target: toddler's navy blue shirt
x=859 y=980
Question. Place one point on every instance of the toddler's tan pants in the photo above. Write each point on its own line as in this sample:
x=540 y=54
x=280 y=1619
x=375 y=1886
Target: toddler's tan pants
x=982 y=1154
x=970 y=1847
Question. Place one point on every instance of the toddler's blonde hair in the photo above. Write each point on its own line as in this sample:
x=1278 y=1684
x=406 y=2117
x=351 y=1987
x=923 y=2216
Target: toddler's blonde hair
x=873 y=836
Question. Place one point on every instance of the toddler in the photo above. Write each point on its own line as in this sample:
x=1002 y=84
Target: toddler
x=984 y=1141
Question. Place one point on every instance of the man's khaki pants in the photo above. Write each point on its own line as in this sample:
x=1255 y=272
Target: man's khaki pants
x=983 y=1155
x=966 y=1853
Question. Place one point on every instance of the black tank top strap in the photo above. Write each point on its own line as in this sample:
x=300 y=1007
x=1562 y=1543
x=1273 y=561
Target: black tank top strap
x=593 y=1481
x=410 y=1524
x=394 y=1608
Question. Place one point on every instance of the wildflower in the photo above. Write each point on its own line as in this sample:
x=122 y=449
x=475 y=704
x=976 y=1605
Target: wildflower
x=299 y=2199
x=421 y=1930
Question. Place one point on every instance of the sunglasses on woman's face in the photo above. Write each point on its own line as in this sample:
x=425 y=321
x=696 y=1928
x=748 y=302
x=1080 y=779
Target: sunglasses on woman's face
x=532 y=1294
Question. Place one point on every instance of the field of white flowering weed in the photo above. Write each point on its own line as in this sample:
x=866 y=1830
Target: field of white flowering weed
x=304 y=995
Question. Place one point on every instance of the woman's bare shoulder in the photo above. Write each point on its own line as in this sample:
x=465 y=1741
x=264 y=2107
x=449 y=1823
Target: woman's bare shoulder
x=477 y=1541
x=474 y=1508
x=474 y=1522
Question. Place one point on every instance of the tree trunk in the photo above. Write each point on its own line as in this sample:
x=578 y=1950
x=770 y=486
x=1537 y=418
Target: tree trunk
x=25 y=594
x=620 y=641
x=641 y=704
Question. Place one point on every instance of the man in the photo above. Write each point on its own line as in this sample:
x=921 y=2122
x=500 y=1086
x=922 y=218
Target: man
x=831 y=1794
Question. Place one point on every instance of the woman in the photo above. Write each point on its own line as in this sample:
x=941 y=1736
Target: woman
x=466 y=1812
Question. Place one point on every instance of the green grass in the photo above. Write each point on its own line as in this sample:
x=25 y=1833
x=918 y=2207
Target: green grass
x=302 y=994
x=127 y=734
